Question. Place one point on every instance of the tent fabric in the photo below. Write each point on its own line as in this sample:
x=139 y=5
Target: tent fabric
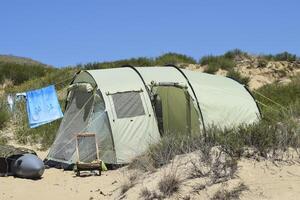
x=126 y=116
x=223 y=102
x=177 y=100
x=42 y=106
x=131 y=135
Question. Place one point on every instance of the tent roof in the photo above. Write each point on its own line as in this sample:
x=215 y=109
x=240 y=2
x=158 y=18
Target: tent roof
x=223 y=101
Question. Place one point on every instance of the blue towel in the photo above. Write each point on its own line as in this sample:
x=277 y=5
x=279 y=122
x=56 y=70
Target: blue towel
x=42 y=106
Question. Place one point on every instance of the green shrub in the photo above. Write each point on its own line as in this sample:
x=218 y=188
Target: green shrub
x=236 y=75
x=3 y=139
x=265 y=136
x=60 y=77
x=284 y=56
x=19 y=73
x=43 y=135
x=232 y=54
x=211 y=68
x=285 y=95
x=142 y=61
x=174 y=59
x=214 y=63
x=4 y=115
x=262 y=63
x=168 y=58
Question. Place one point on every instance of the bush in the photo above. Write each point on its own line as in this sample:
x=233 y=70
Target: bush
x=284 y=95
x=214 y=63
x=265 y=136
x=279 y=128
x=4 y=115
x=284 y=56
x=19 y=73
x=174 y=59
x=142 y=61
x=3 y=139
x=262 y=63
x=168 y=58
x=43 y=135
x=132 y=179
x=228 y=195
x=60 y=77
x=169 y=184
x=236 y=75
x=232 y=54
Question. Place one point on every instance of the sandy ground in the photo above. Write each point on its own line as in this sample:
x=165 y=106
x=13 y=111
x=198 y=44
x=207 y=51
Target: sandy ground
x=57 y=184
x=264 y=179
x=268 y=181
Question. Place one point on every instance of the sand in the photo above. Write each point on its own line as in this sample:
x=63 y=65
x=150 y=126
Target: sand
x=264 y=179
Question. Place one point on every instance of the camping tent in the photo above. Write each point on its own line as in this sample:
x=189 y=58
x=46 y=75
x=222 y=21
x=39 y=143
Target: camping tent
x=129 y=108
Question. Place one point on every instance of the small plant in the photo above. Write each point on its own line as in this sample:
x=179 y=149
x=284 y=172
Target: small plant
x=284 y=56
x=286 y=95
x=146 y=194
x=3 y=139
x=236 y=75
x=43 y=135
x=215 y=164
x=211 y=68
x=262 y=63
x=214 y=63
x=169 y=184
x=125 y=187
x=19 y=73
x=232 y=54
x=132 y=179
x=174 y=58
x=4 y=115
x=229 y=195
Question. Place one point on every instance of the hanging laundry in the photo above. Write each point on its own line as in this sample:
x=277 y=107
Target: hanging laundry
x=20 y=96
x=42 y=106
x=10 y=102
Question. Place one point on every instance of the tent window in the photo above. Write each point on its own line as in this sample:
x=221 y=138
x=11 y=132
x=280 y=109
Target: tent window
x=128 y=104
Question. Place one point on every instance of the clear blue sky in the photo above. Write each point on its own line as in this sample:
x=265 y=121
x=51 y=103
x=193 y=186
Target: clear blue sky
x=68 y=32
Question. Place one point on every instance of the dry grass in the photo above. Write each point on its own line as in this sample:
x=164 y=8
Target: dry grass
x=132 y=180
x=169 y=184
x=146 y=194
x=230 y=195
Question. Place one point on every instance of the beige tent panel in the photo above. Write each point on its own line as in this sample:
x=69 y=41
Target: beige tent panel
x=132 y=135
x=223 y=101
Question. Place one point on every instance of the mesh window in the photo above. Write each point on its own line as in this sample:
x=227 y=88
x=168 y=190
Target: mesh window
x=87 y=148
x=128 y=104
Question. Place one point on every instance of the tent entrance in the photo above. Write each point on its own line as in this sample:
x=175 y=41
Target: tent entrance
x=175 y=110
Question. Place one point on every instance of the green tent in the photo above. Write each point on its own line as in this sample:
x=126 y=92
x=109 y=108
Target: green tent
x=130 y=108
